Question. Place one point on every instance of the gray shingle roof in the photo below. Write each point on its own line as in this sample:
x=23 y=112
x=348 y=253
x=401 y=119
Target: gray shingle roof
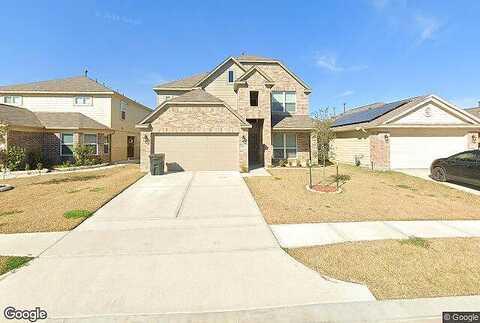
x=187 y=82
x=71 y=84
x=370 y=112
x=196 y=95
x=245 y=58
x=20 y=117
x=474 y=111
x=15 y=116
x=68 y=120
x=292 y=122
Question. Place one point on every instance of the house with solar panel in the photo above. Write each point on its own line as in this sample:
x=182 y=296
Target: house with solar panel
x=409 y=133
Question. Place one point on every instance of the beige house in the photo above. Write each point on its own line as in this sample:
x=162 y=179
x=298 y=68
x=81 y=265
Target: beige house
x=72 y=111
x=409 y=133
x=246 y=112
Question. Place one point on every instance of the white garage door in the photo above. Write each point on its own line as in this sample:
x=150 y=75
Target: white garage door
x=199 y=152
x=419 y=152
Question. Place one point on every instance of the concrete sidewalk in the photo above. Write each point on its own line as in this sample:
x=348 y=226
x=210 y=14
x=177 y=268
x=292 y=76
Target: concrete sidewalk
x=28 y=244
x=315 y=234
x=178 y=243
x=424 y=310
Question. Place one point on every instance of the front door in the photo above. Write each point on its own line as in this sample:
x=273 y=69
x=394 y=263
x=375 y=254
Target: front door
x=130 y=147
x=255 y=145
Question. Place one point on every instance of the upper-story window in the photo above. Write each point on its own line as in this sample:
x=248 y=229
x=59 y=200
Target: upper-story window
x=82 y=100
x=231 y=76
x=123 y=109
x=254 y=98
x=284 y=101
x=12 y=99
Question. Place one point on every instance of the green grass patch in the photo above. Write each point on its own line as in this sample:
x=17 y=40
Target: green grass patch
x=97 y=189
x=75 y=214
x=12 y=212
x=12 y=263
x=416 y=241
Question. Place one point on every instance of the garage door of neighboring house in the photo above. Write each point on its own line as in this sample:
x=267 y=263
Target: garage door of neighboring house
x=419 y=152
x=198 y=151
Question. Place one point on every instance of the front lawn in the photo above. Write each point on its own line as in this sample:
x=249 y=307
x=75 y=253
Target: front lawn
x=60 y=202
x=395 y=269
x=366 y=196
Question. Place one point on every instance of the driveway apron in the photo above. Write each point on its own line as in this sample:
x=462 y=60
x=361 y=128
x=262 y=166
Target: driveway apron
x=186 y=242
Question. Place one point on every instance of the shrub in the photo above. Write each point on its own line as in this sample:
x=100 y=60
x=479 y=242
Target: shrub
x=15 y=159
x=33 y=157
x=84 y=156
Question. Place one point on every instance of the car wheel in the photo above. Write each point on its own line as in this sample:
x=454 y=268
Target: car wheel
x=439 y=174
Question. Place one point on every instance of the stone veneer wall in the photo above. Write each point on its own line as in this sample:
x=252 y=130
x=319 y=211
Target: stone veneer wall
x=471 y=142
x=380 y=151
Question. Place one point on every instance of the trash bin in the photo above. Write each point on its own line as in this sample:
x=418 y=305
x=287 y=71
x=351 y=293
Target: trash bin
x=157 y=164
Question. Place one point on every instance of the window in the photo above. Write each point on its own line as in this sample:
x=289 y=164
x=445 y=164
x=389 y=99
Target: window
x=67 y=144
x=123 y=109
x=82 y=100
x=106 y=144
x=468 y=156
x=285 y=101
x=284 y=146
x=254 y=98
x=12 y=99
x=231 y=76
x=90 y=141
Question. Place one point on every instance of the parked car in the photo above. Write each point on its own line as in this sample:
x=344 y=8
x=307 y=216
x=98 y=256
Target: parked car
x=463 y=167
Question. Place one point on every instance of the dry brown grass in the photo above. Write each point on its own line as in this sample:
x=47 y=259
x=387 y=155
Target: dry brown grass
x=367 y=196
x=392 y=270
x=38 y=203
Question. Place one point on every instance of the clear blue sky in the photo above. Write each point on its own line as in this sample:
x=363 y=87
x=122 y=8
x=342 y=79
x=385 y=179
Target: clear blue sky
x=356 y=52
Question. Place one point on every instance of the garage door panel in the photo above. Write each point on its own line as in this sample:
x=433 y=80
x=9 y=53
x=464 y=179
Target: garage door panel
x=420 y=152
x=199 y=151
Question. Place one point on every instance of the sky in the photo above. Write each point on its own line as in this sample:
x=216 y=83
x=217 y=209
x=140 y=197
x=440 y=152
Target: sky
x=354 y=51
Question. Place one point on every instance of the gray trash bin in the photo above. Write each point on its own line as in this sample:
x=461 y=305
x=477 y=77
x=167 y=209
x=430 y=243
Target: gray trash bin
x=157 y=164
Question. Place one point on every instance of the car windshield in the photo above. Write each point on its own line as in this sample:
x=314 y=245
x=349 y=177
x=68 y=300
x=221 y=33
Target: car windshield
x=466 y=156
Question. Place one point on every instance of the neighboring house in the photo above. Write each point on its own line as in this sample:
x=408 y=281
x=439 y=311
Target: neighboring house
x=248 y=111
x=409 y=133
x=56 y=115
x=475 y=111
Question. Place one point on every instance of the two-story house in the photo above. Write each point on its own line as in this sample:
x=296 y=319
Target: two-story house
x=248 y=111
x=54 y=116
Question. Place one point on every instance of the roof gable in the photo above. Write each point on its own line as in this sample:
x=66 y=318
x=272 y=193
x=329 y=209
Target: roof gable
x=432 y=110
x=230 y=59
x=251 y=71
x=195 y=97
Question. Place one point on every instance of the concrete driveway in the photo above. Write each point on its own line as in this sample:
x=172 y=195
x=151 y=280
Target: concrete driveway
x=178 y=243
x=425 y=174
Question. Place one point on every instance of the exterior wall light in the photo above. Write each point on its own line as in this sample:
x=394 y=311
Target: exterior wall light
x=387 y=138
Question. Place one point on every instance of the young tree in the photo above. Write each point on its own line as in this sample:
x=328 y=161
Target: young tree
x=322 y=124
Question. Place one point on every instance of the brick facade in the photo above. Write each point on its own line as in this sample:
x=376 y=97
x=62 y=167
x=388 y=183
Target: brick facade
x=48 y=145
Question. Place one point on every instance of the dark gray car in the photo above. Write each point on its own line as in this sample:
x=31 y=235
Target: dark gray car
x=463 y=167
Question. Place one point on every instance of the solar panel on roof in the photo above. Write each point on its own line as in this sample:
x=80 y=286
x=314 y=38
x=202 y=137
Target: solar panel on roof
x=368 y=115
